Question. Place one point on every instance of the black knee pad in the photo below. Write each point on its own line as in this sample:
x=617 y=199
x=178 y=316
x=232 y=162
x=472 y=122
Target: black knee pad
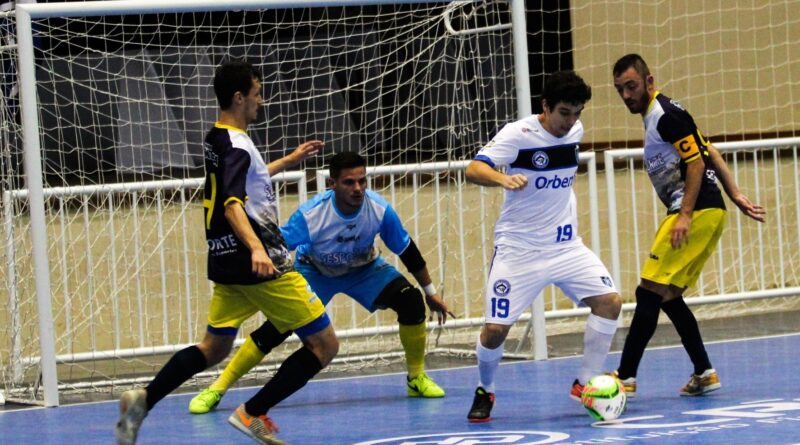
x=405 y=299
x=267 y=337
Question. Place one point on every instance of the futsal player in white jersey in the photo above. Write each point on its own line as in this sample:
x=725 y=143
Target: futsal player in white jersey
x=683 y=167
x=334 y=235
x=536 y=237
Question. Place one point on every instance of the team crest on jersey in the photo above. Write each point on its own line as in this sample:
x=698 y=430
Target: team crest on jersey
x=540 y=159
x=502 y=288
x=607 y=281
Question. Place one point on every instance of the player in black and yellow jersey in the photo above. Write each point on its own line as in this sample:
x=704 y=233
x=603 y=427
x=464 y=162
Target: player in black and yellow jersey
x=249 y=264
x=684 y=168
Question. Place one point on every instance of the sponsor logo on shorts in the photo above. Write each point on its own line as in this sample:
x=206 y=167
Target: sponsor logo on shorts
x=540 y=159
x=502 y=288
x=607 y=281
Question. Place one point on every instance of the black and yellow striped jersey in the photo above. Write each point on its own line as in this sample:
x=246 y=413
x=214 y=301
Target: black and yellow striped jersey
x=672 y=140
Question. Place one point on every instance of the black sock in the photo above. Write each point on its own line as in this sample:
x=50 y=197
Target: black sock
x=293 y=374
x=643 y=326
x=180 y=368
x=686 y=325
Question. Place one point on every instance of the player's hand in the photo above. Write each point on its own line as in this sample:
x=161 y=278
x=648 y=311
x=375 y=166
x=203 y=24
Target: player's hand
x=262 y=265
x=680 y=231
x=747 y=207
x=305 y=151
x=436 y=304
x=514 y=182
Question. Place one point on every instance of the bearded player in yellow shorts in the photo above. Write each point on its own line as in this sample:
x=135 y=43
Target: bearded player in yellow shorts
x=683 y=168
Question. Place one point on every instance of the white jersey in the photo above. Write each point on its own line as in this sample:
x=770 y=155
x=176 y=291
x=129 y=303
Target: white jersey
x=543 y=215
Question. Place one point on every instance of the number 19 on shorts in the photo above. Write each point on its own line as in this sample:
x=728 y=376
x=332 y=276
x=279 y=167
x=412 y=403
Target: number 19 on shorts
x=500 y=307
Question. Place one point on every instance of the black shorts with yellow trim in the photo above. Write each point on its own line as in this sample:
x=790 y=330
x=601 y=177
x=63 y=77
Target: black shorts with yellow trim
x=287 y=301
x=682 y=267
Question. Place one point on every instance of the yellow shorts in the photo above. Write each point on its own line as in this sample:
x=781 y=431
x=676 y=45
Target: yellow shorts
x=287 y=301
x=682 y=267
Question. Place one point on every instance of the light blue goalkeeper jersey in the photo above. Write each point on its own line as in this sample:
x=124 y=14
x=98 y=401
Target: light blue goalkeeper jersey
x=337 y=244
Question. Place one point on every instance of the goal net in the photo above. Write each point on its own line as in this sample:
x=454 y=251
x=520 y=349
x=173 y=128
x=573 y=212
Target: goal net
x=124 y=102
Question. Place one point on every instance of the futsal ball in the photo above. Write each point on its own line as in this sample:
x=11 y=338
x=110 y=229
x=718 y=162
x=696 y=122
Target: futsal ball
x=604 y=397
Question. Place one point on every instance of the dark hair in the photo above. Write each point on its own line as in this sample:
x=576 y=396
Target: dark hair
x=631 y=60
x=567 y=87
x=231 y=77
x=343 y=160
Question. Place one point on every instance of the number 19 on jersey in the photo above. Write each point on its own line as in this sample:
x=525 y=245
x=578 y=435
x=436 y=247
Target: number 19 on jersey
x=564 y=233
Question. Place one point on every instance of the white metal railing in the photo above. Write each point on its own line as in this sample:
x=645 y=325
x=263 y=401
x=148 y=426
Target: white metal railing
x=84 y=192
x=436 y=169
x=440 y=173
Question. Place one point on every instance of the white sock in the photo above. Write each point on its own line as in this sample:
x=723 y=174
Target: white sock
x=596 y=344
x=488 y=361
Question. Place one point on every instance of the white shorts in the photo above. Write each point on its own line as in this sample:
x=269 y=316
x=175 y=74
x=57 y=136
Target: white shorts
x=517 y=277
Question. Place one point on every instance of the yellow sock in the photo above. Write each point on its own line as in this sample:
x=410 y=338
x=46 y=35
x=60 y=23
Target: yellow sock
x=413 y=339
x=245 y=359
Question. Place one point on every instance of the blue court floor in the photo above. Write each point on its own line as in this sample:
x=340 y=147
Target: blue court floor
x=759 y=403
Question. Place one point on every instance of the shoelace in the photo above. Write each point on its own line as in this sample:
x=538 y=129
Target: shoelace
x=268 y=423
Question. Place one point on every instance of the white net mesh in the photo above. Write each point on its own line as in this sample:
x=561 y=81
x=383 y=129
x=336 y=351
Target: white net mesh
x=125 y=102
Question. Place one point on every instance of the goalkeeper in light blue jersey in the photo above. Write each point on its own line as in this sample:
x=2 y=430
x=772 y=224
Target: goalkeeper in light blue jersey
x=334 y=236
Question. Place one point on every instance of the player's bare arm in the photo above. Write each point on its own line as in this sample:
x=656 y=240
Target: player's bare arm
x=694 y=176
x=300 y=154
x=261 y=263
x=725 y=177
x=481 y=173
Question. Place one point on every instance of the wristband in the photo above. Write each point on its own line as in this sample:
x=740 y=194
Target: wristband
x=430 y=290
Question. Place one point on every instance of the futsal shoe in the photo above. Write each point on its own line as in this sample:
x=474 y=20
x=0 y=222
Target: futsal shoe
x=132 y=411
x=205 y=401
x=700 y=384
x=260 y=428
x=424 y=386
x=629 y=384
x=576 y=391
x=482 y=405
